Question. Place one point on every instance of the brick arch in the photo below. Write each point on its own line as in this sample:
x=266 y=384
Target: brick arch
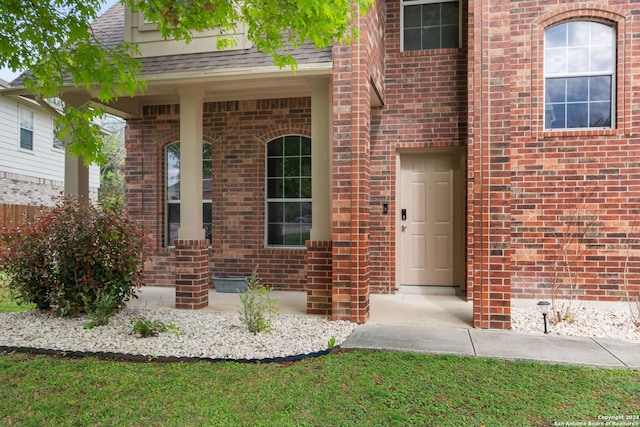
x=586 y=11
x=165 y=138
x=280 y=131
x=615 y=16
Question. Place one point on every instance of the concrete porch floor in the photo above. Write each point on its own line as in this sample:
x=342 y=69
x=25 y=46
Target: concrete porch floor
x=415 y=306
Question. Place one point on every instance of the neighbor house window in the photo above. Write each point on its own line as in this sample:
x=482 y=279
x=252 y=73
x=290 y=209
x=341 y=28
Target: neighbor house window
x=26 y=129
x=173 y=191
x=428 y=24
x=579 y=70
x=57 y=143
x=288 y=191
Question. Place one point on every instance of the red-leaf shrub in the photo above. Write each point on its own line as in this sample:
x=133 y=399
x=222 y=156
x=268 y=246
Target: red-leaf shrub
x=72 y=257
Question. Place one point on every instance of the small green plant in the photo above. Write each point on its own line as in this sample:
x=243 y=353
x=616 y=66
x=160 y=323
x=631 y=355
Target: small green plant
x=331 y=343
x=145 y=327
x=104 y=308
x=257 y=306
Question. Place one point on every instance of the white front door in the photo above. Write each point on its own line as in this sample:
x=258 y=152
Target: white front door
x=426 y=219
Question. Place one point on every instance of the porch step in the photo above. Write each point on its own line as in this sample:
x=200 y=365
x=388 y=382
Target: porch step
x=429 y=290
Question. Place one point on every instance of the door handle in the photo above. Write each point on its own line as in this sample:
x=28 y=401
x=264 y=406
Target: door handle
x=404 y=227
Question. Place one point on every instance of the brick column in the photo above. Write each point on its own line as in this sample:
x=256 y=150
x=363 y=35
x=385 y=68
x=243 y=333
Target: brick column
x=351 y=180
x=319 y=278
x=192 y=274
x=490 y=69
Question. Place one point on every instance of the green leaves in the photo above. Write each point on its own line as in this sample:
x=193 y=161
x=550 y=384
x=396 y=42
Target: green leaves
x=53 y=39
x=257 y=306
x=74 y=259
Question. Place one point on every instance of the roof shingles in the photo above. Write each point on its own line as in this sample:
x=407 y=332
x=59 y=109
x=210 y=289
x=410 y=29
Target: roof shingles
x=109 y=29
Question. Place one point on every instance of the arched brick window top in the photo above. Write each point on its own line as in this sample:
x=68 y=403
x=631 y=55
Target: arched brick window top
x=579 y=80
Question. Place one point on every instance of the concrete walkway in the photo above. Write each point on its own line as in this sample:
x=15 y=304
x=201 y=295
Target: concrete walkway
x=438 y=323
x=507 y=345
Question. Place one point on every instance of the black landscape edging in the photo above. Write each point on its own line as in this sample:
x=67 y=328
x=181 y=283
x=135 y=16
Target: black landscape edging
x=163 y=359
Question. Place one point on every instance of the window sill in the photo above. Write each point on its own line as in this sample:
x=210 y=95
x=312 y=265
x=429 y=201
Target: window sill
x=430 y=52
x=563 y=133
x=286 y=248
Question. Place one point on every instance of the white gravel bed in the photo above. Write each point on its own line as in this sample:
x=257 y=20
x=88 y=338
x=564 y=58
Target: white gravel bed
x=201 y=335
x=585 y=321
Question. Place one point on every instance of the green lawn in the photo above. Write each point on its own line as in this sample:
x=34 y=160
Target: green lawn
x=356 y=388
x=344 y=389
x=7 y=304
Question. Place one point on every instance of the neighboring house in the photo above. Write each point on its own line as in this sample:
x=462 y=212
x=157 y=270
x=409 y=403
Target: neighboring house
x=485 y=145
x=32 y=159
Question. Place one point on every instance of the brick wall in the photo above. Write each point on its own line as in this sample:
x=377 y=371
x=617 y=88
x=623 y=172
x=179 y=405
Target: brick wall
x=374 y=41
x=489 y=205
x=351 y=175
x=319 y=284
x=575 y=222
x=552 y=213
x=17 y=189
x=238 y=132
x=425 y=108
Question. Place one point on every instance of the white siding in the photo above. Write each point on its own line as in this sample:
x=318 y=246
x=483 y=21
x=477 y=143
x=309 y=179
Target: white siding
x=151 y=43
x=45 y=161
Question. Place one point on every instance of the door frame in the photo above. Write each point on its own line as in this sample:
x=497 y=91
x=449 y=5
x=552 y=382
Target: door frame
x=460 y=220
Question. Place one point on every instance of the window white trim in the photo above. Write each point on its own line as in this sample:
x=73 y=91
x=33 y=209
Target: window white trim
x=304 y=220
x=567 y=74
x=26 y=122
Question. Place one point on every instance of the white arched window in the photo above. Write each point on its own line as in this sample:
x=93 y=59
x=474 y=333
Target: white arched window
x=288 y=191
x=172 y=191
x=580 y=75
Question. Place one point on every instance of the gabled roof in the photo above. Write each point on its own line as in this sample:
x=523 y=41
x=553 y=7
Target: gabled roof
x=109 y=28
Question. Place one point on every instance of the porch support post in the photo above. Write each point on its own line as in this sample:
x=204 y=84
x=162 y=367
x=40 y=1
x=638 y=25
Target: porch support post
x=192 y=249
x=76 y=178
x=76 y=174
x=319 y=269
x=320 y=162
x=191 y=108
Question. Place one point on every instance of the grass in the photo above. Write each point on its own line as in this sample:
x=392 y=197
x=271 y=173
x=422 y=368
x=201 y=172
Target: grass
x=344 y=389
x=7 y=304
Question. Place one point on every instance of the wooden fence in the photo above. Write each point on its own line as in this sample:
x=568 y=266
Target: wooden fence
x=15 y=215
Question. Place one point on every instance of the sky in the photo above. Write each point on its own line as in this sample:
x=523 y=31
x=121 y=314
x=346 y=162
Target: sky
x=7 y=75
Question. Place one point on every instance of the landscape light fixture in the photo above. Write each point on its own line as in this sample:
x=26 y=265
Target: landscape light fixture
x=544 y=309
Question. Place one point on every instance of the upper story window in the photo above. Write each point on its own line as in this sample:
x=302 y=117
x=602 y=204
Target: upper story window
x=172 y=212
x=430 y=24
x=26 y=129
x=288 y=191
x=580 y=74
